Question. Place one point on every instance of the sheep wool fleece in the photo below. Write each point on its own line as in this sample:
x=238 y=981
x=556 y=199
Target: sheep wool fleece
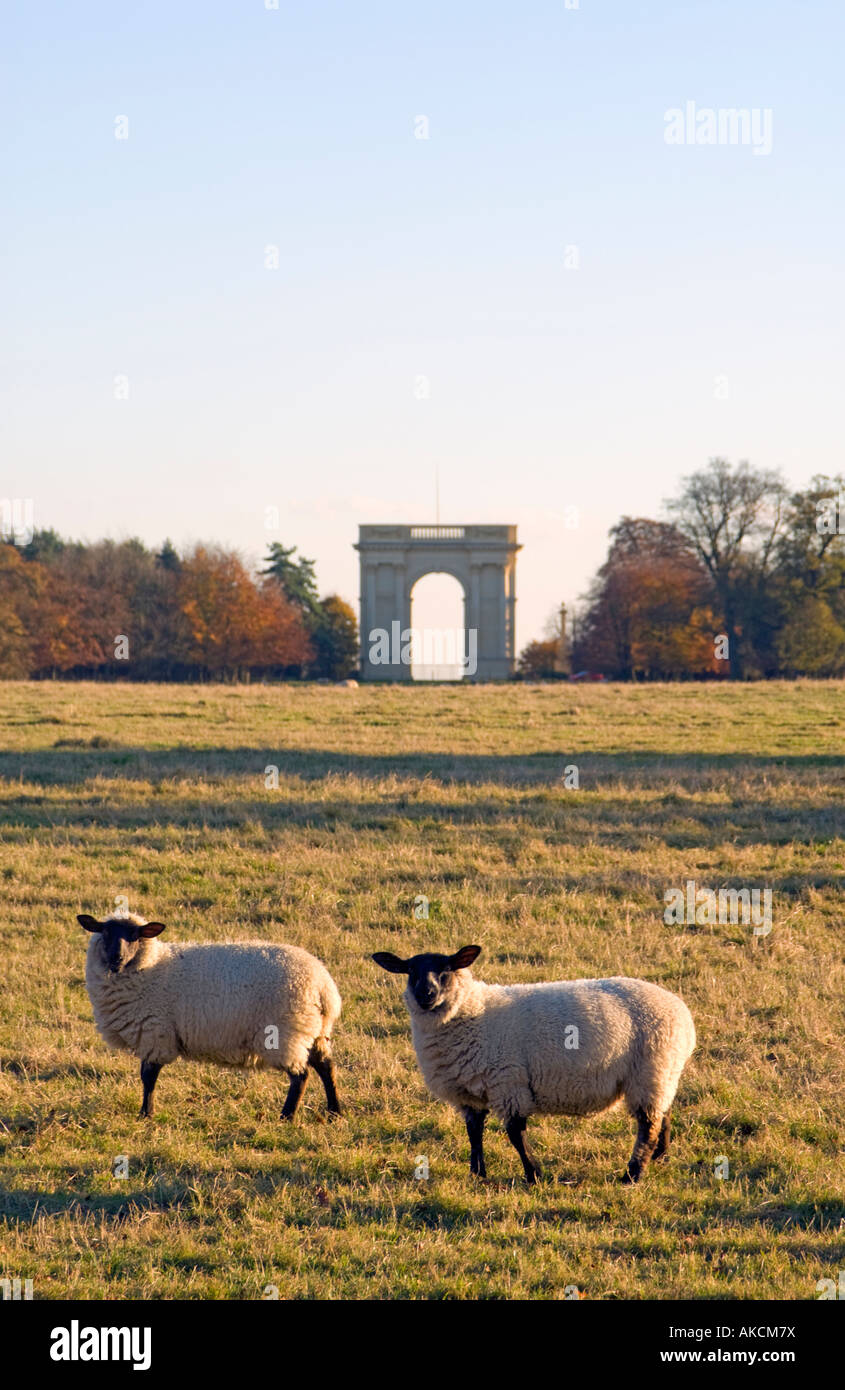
x=243 y=1004
x=571 y=1047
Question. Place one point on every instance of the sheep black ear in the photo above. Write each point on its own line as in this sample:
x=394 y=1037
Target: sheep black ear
x=88 y=922
x=388 y=961
x=464 y=957
x=152 y=929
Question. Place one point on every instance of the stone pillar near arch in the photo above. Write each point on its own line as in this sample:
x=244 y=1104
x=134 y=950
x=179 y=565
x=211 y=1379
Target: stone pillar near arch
x=393 y=558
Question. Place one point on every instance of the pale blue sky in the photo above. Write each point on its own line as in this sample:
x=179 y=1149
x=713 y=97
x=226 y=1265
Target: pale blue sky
x=400 y=258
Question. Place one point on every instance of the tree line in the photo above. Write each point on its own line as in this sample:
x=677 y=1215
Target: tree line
x=742 y=579
x=112 y=609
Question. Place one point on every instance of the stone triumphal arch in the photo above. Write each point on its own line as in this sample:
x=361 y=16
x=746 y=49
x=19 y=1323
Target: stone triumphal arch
x=481 y=558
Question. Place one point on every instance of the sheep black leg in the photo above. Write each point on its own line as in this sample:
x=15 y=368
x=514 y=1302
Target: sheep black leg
x=149 y=1077
x=648 y=1132
x=298 y=1082
x=320 y=1058
x=515 y=1130
x=662 y=1150
x=475 y=1129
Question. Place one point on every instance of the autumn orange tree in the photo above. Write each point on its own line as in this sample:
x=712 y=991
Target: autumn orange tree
x=234 y=625
x=648 y=614
x=21 y=588
x=117 y=609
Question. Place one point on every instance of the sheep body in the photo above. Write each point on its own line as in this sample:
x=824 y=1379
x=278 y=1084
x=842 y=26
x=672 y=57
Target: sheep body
x=570 y=1047
x=238 y=1004
x=504 y=1047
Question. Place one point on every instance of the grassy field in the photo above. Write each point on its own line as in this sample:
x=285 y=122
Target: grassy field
x=158 y=793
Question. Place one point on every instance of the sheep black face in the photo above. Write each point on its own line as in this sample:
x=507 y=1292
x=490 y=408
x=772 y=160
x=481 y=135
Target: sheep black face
x=431 y=978
x=120 y=938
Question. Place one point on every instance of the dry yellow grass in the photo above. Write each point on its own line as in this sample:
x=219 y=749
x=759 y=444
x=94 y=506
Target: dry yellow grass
x=159 y=793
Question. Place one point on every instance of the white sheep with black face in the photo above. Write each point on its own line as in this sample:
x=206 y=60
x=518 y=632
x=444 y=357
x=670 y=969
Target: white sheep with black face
x=240 y=1004
x=571 y=1047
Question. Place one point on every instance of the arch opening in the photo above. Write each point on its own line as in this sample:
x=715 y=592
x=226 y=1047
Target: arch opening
x=438 y=624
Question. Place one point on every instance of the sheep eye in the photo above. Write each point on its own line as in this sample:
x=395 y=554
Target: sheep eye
x=444 y=976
